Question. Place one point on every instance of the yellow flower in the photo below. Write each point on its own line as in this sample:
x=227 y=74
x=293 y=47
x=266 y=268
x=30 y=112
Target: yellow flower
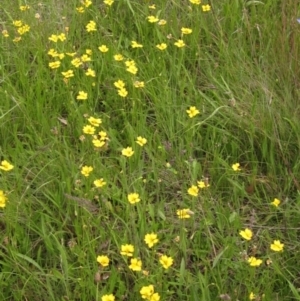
x=6 y=166
x=197 y=2
x=82 y=95
x=5 y=33
x=138 y=84
x=118 y=57
x=127 y=152
x=206 y=7
x=108 y=2
x=94 y=121
x=60 y=55
x=91 y=26
x=80 y=9
x=252 y=296
x=87 y=3
x=76 y=62
x=17 y=39
x=147 y=291
x=98 y=143
x=151 y=239
x=103 y=135
x=276 y=202
x=192 y=112
x=127 y=250
x=90 y=72
x=54 y=65
x=246 y=234
x=85 y=58
x=86 y=170
x=152 y=6
x=141 y=141
x=135 y=44
x=18 y=23
x=277 y=246
x=162 y=22
x=123 y=92
x=103 y=48
x=61 y=37
x=184 y=213
x=23 y=29
x=89 y=130
x=132 y=69
x=119 y=84
x=3 y=199
x=130 y=63
x=193 y=190
x=202 y=184
x=155 y=297
x=110 y=297
x=152 y=19
x=236 y=166
x=166 y=261
x=179 y=44
x=135 y=264
x=161 y=46
x=145 y=273
x=133 y=198
x=103 y=260
x=52 y=52
x=68 y=73
x=185 y=30
x=99 y=183
x=24 y=7
x=254 y=262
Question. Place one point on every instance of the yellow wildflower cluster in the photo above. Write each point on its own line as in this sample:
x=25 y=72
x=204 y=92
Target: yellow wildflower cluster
x=276 y=246
x=4 y=166
x=120 y=85
x=91 y=26
x=125 y=60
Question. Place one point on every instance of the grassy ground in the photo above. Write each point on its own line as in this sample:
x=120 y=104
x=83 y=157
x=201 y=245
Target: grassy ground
x=59 y=227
